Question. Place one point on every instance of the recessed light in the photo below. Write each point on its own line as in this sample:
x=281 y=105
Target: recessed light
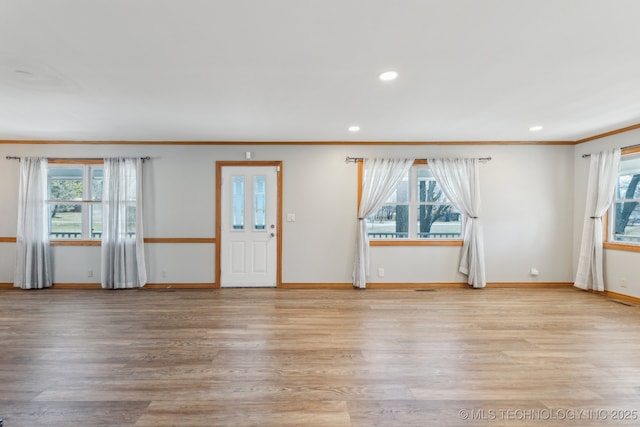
x=535 y=128
x=354 y=128
x=388 y=76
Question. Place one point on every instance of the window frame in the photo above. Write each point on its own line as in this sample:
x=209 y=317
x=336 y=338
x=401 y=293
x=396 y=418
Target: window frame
x=609 y=219
x=407 y=241
x=87 y=165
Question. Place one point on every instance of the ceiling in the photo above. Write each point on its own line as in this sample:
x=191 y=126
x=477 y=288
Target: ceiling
x=306 y=70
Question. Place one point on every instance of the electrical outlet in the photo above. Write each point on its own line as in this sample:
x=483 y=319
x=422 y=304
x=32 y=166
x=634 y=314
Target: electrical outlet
x=380 y=272
x=623 y=282
x=163 y=274
x=90 y=273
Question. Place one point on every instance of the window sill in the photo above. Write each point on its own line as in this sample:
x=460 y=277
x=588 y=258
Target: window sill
x=75 y=242
x=415 y=242
x=621 y=247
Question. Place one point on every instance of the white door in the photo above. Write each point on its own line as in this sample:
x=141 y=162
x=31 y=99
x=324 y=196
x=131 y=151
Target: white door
x=249 y=197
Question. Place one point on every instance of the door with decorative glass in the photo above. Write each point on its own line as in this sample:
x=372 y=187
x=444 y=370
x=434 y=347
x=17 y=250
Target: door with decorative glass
x=248 y=226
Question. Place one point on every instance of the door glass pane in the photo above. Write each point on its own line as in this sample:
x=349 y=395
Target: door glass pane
x=238 y=202
x=259 y=202
x=65 y=221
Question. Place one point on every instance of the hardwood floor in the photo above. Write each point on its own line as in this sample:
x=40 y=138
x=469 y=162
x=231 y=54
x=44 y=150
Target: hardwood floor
x=265 y=357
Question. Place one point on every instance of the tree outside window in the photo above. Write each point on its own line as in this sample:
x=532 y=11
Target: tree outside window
x=74 y=199
x=417 y=209
x=625 y=211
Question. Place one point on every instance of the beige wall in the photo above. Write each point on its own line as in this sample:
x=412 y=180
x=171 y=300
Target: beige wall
x=618 y=265
x=527 y=195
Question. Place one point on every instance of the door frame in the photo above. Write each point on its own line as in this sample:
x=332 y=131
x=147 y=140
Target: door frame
x=224 y=163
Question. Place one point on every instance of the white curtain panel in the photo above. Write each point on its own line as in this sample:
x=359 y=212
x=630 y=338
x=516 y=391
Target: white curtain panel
x=459 y=180
x=33 y=266
x=379 y=178
x=601 y=184
x=123 y=263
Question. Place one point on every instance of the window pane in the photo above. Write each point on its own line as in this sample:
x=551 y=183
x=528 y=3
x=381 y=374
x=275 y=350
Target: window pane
x=401 y=193
x=131 y=220
x=132 y=184
x=628 y=187
x=96 y=183
x=259 y=202
x=65 y=183
x=389 y=222
x=65 y=221
x=238 y=202
x=438 y=221
x=626 y=227
x=96 y=221
x=428 y=189
x=625 y=212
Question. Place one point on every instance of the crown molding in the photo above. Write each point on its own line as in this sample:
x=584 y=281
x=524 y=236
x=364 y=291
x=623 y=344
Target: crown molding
x=370 y=143
x=605 y=134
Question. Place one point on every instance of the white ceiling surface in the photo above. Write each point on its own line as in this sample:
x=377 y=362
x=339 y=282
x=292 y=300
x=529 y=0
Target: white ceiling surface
x=305 y=70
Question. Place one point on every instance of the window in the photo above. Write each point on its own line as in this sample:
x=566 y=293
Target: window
x=259 y=202
x=624 y=215
x=75 y=201
x=416 y=210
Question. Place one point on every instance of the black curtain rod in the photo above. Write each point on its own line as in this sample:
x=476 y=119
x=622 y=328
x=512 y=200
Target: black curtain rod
x=358 y=159
x=84 y=158
x=585 y=156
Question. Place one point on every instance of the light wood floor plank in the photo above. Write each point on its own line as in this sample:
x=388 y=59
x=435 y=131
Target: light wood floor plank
x=279 y=357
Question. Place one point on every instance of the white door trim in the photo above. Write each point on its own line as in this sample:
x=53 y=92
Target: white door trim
x=219 y=243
